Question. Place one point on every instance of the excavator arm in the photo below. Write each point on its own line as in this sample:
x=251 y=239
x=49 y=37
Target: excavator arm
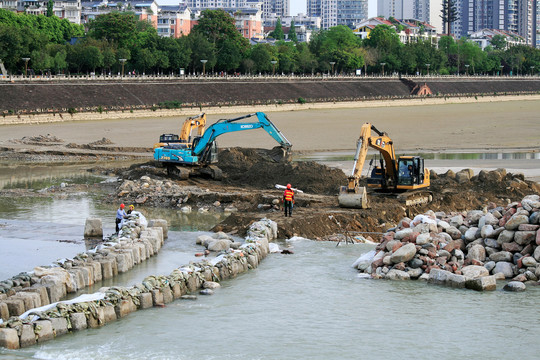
x=195 y=122
x=232 y=125
x=382 y=143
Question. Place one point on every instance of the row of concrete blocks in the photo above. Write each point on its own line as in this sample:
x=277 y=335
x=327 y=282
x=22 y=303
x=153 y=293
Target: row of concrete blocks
x=117 y=259
x=446 y=278
x=43 y=330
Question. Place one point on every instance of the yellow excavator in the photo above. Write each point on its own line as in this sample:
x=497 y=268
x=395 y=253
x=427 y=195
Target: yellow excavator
x=404 y=177
x=197 y=122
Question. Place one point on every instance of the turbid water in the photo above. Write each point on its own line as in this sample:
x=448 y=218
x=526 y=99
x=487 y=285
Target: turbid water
x=311 y=304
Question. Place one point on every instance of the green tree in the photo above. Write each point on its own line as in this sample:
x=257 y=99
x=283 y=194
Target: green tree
x=93 y=58
x=384 y=38
x=50 y=7
x=292 y=33
x=177 y=50
x=305 y=59
x=59 y=61
x=120 y=29
x=201 y=49
x=261 y=56
x=219 y=28
x=109 y=58
x=278 y=31
x=337 y=44
x=498 y=42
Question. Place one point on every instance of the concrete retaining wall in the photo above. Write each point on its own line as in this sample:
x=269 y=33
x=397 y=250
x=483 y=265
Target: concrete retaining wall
x=45 y=285
x=117 y=302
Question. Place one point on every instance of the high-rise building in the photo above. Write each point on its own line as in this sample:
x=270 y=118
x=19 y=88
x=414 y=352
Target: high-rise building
x=428 y=11
x=517 y=16
x=277 y=7
x=338 y=12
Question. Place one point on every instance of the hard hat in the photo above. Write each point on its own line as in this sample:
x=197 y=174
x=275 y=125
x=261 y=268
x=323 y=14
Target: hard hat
x=132 y=206
x=122 y=206
x=288 y=186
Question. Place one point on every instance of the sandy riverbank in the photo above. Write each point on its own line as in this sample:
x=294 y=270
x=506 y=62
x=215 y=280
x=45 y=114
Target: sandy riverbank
x=425 y=125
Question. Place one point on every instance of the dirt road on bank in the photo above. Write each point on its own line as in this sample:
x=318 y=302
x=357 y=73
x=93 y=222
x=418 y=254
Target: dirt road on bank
x=480 y=126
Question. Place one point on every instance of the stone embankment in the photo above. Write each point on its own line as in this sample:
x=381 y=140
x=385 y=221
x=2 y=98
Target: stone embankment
x=463 y=250
x=135 y=243
x=112 y=303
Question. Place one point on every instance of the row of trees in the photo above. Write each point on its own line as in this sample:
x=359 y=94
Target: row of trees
x=115 y=36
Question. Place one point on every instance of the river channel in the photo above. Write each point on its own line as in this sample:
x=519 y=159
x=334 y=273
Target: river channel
x=308 y=305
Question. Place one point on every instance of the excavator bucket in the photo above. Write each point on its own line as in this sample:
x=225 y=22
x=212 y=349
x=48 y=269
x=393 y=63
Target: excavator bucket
x=358 y=199
x=280 y=154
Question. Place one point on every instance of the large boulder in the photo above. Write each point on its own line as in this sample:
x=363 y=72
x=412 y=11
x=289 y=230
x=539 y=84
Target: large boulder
x=514 y=286
x=470 y=234
x=504 y=267
x=474 y=271
x=404 y=253
x=477 y=252
x=501 y=256
x=505 y=237
x=524 y=237
x=93 y=228
x=394 y=274
x=516 y=220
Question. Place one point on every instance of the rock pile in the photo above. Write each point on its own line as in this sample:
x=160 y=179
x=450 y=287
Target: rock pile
x=48 y=284
x=154 y=192
x=462 y=249
x=112 y=303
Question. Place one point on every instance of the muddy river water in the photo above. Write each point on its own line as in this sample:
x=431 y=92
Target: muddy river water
x=309 y=305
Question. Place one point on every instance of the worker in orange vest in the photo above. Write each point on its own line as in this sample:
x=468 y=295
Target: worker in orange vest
x=288 y=200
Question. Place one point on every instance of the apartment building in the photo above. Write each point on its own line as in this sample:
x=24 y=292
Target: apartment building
x=427 y=11
x=408 y=30
x=338 y=12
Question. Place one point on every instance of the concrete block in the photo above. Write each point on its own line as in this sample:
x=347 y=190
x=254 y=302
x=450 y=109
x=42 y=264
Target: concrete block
x=145 y=300
x=106 y=314
x=28 y=337
x=93 y=228
x=93 y=322
x=44 y=330
x=106 y=268
x=484 y=283
x=157 y=297
x=78 y=279
x=42 y=291
x=167 y=294
x=122 y=262
x=4 y=311
x=31 y=300
x=253 y=261
x=142 y=251
x=456 y=281
x=124 y=307
x=9 y=338
x=148 y=247
x=96 y=270
x=55 y=292
x=15 y=306
x=78 y=321
x=135 y=254
x=177 y=291
x=161 y=223
x=3 y=296
x=59 y=325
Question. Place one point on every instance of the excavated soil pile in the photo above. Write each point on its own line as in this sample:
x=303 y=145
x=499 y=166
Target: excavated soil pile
x=256 y=168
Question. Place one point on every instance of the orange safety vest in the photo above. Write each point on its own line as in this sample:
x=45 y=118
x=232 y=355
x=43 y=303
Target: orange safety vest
x=289 y=195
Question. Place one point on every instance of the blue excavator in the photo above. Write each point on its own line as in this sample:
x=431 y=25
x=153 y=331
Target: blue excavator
x=199 y=156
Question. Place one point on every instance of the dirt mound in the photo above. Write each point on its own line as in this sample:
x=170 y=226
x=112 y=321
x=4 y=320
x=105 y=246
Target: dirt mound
x=37 y=140
x=103 y=141
x=257 y=168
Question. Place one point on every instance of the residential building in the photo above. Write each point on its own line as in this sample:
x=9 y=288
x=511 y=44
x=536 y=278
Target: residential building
x=310 y=22
x=338 y=12
x=427 y=11
x=515 y=16
x=276 y=8
x=408 y=30
x=64 y=9
x=483 y=37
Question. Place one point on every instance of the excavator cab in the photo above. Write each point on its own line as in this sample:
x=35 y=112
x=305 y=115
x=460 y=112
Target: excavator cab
x=410 y=172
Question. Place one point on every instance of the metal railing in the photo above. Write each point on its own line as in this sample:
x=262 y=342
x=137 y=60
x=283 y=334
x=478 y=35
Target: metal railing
x=242 y=77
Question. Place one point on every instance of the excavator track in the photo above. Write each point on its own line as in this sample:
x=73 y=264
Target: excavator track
x=178 y=172
x=416 y=197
